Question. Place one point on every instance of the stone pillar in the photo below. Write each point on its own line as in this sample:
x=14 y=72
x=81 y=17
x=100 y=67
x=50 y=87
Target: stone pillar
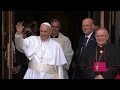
x=117 y=28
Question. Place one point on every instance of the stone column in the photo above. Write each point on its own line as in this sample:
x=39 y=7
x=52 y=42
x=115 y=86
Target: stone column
x=117 y=28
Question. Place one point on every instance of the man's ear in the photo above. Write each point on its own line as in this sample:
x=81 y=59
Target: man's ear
x=93 y=26
x=108 y=37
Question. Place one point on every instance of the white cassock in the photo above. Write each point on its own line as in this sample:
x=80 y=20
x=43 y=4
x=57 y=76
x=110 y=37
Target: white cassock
x=68 y=51
x=46 y=57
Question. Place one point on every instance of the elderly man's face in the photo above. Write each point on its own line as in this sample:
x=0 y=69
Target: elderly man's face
x=55 y=27
x=45 y=32
x=87 y=26
x=101 y=37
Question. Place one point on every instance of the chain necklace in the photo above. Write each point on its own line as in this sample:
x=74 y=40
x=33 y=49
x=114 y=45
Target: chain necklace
x=97 y=66
x=44 y=49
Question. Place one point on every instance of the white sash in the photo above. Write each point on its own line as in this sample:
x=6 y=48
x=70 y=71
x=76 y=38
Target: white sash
x=50 y=69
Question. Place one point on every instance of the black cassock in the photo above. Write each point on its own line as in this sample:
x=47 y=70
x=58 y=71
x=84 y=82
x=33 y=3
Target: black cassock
x=110 y=57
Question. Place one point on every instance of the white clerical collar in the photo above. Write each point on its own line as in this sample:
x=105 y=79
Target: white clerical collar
x=89 y=35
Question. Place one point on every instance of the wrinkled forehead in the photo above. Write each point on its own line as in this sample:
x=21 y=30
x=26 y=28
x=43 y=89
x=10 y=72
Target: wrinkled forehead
x=101 y=32
x=44 y=27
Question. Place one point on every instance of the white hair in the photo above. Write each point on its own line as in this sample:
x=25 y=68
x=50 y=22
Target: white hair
x=46 y=23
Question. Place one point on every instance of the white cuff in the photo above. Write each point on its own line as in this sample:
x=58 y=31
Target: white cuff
x=60 y=72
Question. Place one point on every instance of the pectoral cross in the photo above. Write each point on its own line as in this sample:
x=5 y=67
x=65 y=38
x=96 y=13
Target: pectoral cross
x=97 y=67
x=101 y=51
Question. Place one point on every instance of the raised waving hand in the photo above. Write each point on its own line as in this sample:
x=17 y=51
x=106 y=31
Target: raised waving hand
x=19 y=27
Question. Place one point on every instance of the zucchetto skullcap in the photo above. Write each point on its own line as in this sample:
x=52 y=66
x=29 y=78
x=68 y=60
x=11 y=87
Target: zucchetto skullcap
x=46 y=23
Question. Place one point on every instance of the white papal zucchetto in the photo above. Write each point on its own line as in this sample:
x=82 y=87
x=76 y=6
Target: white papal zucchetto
x=46 y=23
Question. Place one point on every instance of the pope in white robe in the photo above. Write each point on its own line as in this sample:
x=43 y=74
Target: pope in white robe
x=46 y=57
x=65 y=43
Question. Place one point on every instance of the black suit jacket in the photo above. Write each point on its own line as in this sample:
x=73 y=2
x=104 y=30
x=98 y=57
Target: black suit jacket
x=91 y=43
x=80 y=53
x=22 y=61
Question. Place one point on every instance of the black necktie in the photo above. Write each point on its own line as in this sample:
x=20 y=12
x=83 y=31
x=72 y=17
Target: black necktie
x=85 y=42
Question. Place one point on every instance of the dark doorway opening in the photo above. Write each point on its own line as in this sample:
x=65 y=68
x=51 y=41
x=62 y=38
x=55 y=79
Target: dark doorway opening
x=71 y=21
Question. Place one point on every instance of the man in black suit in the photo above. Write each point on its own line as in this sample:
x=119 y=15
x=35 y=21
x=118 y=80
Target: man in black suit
x=86 y=41
x=102 y=61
